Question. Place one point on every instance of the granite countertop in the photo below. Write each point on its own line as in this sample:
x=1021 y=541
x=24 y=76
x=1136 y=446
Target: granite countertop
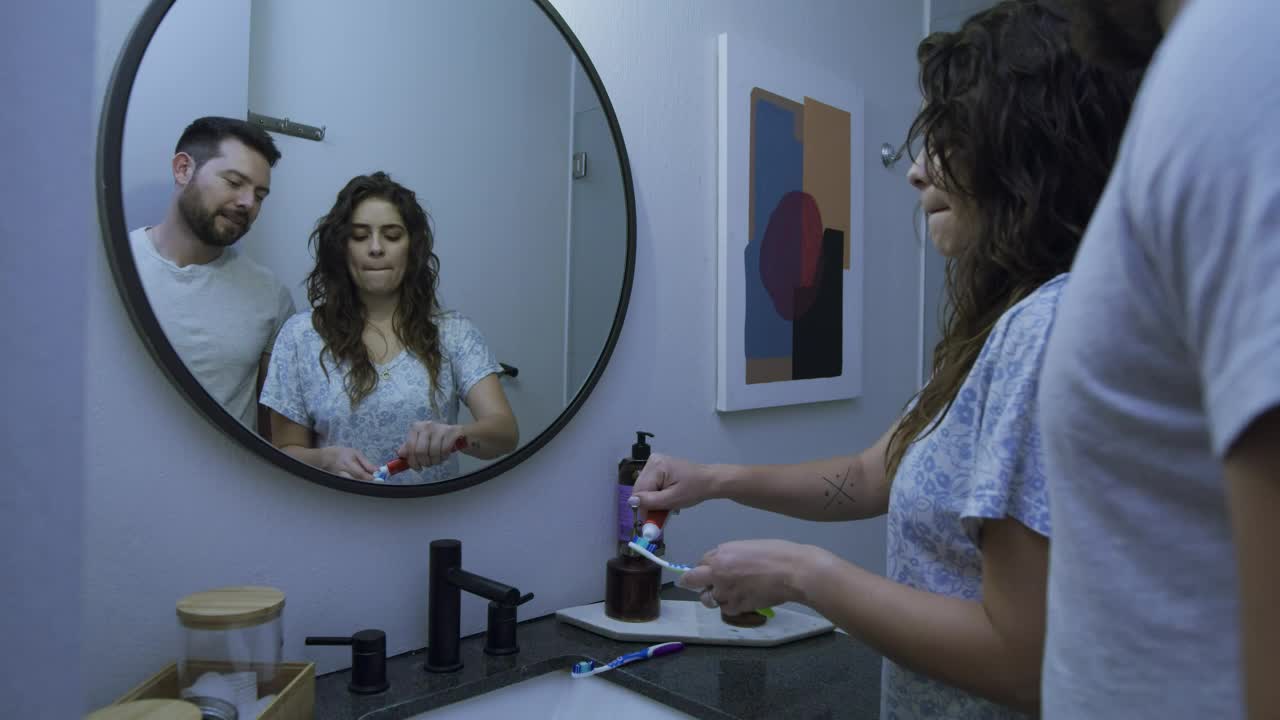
x=829 y=676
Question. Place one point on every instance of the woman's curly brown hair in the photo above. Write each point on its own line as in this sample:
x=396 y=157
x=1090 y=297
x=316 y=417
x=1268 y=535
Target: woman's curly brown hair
x=338 y=314
x=1023 y=131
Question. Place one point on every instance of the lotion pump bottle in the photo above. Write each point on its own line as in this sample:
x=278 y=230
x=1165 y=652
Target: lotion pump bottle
x=628 y=470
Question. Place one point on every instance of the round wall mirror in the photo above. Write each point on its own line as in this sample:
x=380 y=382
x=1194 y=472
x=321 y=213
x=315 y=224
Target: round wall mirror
x=388 y=246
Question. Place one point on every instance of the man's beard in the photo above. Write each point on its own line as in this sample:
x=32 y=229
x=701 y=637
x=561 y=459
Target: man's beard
x=1122 y=34
x=204 y=222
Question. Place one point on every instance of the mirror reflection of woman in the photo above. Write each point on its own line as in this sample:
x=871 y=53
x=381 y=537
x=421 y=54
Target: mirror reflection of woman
x=376 y=369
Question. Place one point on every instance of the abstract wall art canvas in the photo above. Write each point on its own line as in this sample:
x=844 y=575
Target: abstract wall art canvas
x=789 y=285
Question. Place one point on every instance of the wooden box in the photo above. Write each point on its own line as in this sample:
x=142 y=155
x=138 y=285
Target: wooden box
x=294 y=686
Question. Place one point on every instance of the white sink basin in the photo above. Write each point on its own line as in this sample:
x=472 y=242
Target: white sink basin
x=557 y=696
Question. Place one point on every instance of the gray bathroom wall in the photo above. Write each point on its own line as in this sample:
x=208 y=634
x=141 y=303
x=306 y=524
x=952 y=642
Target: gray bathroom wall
x=172 y=506
x=48 y=228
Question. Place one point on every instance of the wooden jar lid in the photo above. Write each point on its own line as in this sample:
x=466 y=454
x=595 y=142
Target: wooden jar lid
x=230 y=607
x=148 y=710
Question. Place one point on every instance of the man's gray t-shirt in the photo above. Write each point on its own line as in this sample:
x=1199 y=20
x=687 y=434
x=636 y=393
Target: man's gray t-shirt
x=220 y=317
x=1166 y=347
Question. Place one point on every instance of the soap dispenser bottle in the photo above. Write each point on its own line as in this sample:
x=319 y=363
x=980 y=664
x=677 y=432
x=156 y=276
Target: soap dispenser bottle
x=628 y=471
x=632 y=582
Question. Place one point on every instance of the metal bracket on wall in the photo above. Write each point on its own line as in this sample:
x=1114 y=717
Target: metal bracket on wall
x=285 y=126
x=889 y=155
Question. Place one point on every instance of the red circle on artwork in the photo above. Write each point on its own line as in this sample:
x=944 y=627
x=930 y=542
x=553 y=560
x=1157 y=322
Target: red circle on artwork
x=791 y=254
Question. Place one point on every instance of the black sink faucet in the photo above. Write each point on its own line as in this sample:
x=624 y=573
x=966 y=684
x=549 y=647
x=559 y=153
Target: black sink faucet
x=444 y=601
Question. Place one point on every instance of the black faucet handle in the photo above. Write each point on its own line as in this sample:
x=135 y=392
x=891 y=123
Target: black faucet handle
x=368 y=659
x=500 y=637
x=364 y=641
x=329 y=640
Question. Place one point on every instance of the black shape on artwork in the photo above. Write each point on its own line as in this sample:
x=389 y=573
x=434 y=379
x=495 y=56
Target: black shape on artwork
x=816 y=336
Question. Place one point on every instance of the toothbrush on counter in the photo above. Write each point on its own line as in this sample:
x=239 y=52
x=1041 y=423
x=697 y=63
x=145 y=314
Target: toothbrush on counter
x=383 y=473
x=645 y=548
x=587 y=668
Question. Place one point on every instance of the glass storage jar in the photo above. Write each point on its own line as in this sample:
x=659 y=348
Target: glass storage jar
x=232 y=631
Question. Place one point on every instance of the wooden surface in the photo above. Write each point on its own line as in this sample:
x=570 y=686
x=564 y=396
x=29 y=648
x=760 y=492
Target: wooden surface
x=688 y=621
x=230 y=607
x=294 y=686
x=148 y=710
x=295 y=694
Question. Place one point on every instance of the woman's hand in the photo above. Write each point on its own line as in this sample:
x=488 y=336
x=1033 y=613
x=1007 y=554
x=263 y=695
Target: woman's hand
x=746 y=575
x=429 y=443
x=347 y=462
x=669 y=483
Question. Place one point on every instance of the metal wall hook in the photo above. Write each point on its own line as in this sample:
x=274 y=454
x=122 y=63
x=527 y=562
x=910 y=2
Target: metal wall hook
x=285 y=126
x=889 y=155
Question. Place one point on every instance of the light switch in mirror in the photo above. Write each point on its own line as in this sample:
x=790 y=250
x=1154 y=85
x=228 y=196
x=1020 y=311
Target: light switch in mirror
x=353 y=233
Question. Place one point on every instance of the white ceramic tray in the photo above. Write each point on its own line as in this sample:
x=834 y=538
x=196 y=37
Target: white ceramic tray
x=688 y=621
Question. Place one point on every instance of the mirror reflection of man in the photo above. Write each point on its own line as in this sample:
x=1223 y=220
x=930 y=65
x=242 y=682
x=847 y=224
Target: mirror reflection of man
x=219 y=309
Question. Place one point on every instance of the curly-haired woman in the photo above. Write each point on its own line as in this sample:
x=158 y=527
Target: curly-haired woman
x=1016 y=137
x=377 y=368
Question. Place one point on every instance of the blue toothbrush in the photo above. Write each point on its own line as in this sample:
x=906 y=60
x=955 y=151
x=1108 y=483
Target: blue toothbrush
x=587 y=668
x=645 y=548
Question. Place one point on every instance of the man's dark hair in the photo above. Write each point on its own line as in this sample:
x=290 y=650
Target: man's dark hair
x=201 y=139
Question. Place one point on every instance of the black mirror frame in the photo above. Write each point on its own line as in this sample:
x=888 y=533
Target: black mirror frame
x=128 y=282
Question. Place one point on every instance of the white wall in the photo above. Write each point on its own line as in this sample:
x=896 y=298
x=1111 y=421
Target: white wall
x=173 y=506
x=48 y=225
x=468 y=105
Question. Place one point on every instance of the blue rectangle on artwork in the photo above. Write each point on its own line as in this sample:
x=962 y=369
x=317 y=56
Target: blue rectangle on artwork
x=777 y=169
